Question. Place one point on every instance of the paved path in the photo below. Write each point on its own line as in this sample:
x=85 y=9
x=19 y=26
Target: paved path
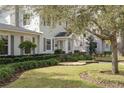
x=79 y=63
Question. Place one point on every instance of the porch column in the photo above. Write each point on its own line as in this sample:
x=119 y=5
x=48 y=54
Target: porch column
x=66 y=46
x=40 y=44
x=9 y=44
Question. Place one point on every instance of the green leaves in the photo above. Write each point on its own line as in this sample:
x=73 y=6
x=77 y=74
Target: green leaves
x=102 y=18
x=2 y=44
x=27 y=44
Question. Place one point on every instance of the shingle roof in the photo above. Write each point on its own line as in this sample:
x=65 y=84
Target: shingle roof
x=14 y=28
x=63 y=34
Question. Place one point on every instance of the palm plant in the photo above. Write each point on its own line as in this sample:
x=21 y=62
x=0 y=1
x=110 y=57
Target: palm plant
x=27 y=46
x=2 y=44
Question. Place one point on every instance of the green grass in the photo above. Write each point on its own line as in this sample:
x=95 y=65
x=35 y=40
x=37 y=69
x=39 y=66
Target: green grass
x=108 y=58
x=64 y=76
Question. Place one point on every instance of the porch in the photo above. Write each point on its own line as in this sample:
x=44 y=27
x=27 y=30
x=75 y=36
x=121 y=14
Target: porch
x=65 y=42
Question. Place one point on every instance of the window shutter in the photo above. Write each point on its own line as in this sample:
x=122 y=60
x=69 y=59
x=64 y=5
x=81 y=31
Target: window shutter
x=53 y=44
x=12 y=44
x=44 y=40
x=21 y=40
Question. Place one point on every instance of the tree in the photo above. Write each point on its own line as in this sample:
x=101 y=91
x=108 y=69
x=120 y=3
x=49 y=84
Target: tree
x=27 y=46
x=103 y=21
x=92 y=45
x=121 y=43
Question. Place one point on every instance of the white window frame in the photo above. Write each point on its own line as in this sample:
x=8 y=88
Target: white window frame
x=48 y=46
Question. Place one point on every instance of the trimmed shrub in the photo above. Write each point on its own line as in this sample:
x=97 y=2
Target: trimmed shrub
x=6 y=73
x=74 y=57
x=10 y=70
x=59 y=51
x=12 y=59
x=76 y=51
x=107 y=53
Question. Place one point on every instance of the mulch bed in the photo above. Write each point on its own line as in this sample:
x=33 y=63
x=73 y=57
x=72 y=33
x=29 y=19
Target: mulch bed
x=101 y=83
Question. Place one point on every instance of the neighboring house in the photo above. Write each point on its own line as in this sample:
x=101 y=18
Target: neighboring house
x=18 y=25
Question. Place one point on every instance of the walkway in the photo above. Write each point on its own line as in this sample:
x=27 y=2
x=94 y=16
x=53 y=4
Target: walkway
x=79 y=63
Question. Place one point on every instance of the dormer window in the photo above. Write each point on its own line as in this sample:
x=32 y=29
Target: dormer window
x=26 y=19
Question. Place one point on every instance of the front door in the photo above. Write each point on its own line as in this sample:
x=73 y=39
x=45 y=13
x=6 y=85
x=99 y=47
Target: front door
x=61 y=44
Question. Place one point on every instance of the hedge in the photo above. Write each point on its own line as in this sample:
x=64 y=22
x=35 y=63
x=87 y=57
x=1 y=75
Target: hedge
x=10 y=70
x=60 y=57
x=14 y=59
x=74 y=57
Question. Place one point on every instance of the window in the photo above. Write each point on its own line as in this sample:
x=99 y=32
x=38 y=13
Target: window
x=48 y=44
x=107 y=45
x=69 y=45
x=47 y=21
x=26 y=19
x=61 y=44
x=84 y=35
x=81 y=43
x=4 y=50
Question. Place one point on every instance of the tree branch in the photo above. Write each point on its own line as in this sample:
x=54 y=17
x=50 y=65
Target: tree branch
x=97 y=25
x=98 y=35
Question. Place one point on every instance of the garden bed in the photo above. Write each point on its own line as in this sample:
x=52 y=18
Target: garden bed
x=102 y=82
x=11 y=71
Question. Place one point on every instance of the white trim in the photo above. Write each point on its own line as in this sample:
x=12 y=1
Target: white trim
x=7 y=30
x=66 y=37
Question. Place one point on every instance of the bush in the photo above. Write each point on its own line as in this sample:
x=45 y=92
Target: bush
x=6 y=73
x=14 y=59
x=27 y=46
x=10 y=70
x=67 y=58
x=76 y=52
x=59 y=51
x=85 y=57
x=107 y=53
x=74 y=57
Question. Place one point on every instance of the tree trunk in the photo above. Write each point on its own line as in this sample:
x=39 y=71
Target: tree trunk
x=122 y=43
x=114 y=55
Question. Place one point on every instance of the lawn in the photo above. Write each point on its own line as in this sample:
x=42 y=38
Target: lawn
x=108 y=58
x=65 y=76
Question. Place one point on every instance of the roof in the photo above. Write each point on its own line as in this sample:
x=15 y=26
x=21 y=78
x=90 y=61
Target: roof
x=63 y=34
x=12 y=28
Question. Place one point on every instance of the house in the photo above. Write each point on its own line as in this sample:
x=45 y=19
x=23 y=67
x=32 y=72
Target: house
x=19 y=25
x=14 y=31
